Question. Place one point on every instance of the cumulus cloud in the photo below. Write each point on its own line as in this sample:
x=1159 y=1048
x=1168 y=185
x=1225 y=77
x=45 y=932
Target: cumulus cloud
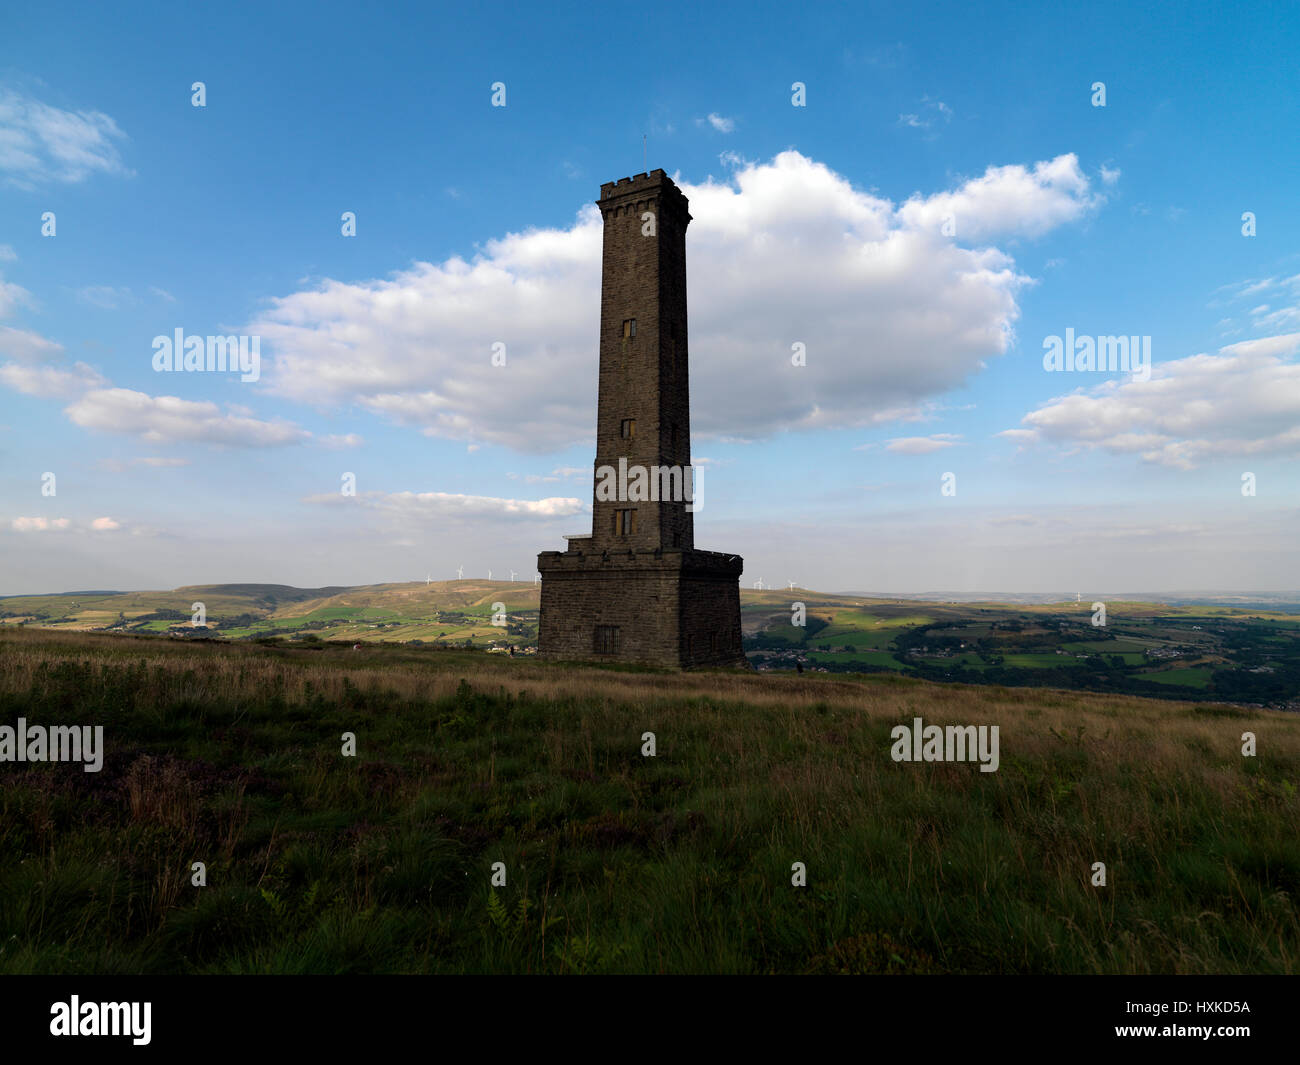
x=40 y=143
x=26 y=346
x=891 y=313
x=1010 y=201
x=168 y=419
x=51 y=382
x=104 y=525
x=1241 y=402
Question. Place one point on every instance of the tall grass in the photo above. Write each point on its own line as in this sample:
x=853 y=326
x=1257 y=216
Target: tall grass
x=230 y=755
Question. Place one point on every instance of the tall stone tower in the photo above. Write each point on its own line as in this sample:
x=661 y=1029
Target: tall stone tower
x=635 y=589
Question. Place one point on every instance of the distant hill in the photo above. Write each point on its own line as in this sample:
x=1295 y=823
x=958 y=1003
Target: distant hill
x=1271 y=600
x=1244 y=652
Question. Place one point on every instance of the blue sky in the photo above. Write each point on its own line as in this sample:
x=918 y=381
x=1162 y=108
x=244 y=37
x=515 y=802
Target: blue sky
x=830 y=225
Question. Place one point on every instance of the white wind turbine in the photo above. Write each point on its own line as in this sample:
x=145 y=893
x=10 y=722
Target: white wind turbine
x=759 y=584
x=428 y=579
x=792 y=586
x=489 y=574
x=460 y=572
x=512 y=575
x=537 y=579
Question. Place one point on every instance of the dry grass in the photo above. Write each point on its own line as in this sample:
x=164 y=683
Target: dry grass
x=677 y=863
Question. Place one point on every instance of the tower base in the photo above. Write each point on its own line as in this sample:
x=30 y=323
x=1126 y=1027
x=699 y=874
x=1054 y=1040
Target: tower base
x=674 y=609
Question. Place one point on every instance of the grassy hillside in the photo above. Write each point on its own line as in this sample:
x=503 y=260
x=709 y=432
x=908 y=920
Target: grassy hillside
x=230 y=754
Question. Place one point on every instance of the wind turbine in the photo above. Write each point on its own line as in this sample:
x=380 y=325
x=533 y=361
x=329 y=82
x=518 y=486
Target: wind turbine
x=759 y=584
x=460 y=572
x=489 y=574
x=792 y=586
x=537 y=579
x=512 y=575
x=428 y=580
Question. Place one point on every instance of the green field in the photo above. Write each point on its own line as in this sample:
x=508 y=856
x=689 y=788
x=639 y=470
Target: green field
x=866 y=658
x=1040 y=661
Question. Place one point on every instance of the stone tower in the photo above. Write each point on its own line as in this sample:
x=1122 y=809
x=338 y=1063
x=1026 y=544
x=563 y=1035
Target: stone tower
x=635 y=589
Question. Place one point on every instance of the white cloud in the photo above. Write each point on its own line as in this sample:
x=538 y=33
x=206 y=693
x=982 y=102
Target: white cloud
x=718 y=122
x=892 y=313
x=922 y=445
x=104 y=525
x=168 y=419
x=40 y=524
x=432 y=505
x=337 y=442
x=118 y=466
x=11 y=297
x=105 y=297
x=1010 y=200
x=27 y=346
x=932 y=111
x=40 y=143
x=50 y=382
x=1243 y=401
x=7 y=254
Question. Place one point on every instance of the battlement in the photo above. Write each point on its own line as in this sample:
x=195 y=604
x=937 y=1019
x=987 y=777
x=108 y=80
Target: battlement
x=636 y=181
x=655 y=183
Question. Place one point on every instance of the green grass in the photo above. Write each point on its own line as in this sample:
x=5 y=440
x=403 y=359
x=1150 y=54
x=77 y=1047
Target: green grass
x=615 y=862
